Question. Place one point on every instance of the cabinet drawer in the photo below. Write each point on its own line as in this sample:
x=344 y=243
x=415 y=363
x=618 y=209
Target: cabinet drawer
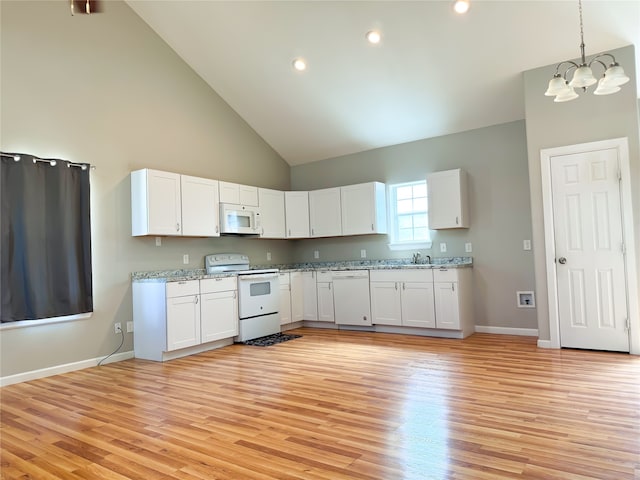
x=222 y=284
x=284 y=278
x=324 y=276
x=402 y=275
x=183 y=288
x=445 y=275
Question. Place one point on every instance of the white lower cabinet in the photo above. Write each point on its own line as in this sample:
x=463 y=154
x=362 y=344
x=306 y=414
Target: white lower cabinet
x=309 y=296
x=402 y=298
x=174 y=319
x=285 y=299
x=452 y=295
x=324 y=285
x=291 y=297
x=183 y=314
x=218 y=308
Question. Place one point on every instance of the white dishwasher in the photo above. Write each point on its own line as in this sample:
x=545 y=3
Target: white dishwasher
x=351 y=300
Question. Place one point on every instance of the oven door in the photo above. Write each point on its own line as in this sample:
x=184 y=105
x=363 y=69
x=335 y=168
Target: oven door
x=258 y=294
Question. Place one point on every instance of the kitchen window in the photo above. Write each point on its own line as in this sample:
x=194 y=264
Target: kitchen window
x=408 y=206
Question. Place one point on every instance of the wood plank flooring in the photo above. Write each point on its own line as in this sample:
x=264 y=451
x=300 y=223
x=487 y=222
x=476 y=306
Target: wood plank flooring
x=334 y=405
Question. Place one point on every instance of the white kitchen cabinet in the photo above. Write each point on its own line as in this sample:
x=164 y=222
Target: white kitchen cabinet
x=218 y=308
x=156 y=207
x=324 y=285
x=297 y=300
x=272 y=216
x=183 y=314
x=351 y=297
x=448 y=202
x=309 y=296
x=363 y=208
x=238 y=194
x=403 y=297
x=297 y=214
x=200 y=207
x=325 y=212
x=452 y=294
x=385 y=303
x=285 y=298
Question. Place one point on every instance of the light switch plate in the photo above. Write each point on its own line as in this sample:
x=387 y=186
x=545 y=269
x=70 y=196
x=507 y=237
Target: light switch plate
x=443 y=247
x=363 y=253
x=185 y=259
x=158 y=241
x=316 y=254
x=468 y=247
x=526 y=245
x=268 y=255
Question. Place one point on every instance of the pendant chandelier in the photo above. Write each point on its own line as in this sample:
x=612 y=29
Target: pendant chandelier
x=609 y=83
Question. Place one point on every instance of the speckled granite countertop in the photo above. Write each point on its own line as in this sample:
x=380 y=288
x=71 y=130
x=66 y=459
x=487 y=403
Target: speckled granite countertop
x=200 y=273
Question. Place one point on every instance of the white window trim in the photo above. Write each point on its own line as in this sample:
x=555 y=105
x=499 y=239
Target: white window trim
x=392 y=221
x=44 y=321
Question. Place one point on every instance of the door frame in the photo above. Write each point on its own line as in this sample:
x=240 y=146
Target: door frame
x=633 y=309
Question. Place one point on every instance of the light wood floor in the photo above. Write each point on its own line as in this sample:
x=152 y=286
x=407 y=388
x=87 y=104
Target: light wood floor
x=334 y=405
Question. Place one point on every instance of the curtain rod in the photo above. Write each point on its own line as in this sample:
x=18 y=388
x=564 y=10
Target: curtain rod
x=52 y=162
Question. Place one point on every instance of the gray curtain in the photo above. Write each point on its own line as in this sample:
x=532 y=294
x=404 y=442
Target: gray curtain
x=46 y=239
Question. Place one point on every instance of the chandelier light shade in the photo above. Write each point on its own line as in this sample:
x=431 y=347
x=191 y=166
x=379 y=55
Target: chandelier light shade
x=564 y=90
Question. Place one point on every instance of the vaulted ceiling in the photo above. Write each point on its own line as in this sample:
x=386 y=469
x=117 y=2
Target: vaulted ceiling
x=434 y=72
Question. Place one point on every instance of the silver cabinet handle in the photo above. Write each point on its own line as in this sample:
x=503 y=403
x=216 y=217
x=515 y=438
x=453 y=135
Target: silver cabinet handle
x=196 y=299
x=217 y=229
x=562 y=260
x=404 y=286
x=396 y=285
x=456 y=220
x=372 y=227
x=177 y=227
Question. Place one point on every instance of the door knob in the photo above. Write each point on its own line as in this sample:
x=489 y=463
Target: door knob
x=562 y=260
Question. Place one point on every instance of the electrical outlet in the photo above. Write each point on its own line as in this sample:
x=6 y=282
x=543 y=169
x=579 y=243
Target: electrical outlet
x=185 y=259
x=316 y=254
x=443 y=247
x=117 y=327
x=363 y=253
x=268 y=255
x=129 y=327
x=158 y=241
x=526 y=244
x=468 y=247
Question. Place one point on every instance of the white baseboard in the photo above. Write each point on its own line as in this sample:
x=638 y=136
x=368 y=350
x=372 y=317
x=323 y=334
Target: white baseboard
x=524 y=332
x=58 y=369
x=545 y=344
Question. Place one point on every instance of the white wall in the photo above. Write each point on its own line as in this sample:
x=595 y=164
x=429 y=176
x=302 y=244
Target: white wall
x=586 y=119
x=105 y=89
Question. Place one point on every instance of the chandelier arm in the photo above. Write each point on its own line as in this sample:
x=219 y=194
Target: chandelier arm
x=572 y=65
x=594 y=59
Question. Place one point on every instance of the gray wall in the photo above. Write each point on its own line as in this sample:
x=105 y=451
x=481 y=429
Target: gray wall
x=496 y=160
x=587 y=119
x=105 y=89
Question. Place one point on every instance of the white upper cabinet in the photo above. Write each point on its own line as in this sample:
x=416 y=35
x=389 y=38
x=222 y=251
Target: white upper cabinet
x=155 y=203
x=200 y=211
x=271 y=213
x=325 y=212
x=448 y=204
x=363 y=208
x=238 y=194
x=297 y=214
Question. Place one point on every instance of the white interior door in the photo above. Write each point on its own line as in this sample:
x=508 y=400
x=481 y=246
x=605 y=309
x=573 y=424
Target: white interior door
x=590 y=265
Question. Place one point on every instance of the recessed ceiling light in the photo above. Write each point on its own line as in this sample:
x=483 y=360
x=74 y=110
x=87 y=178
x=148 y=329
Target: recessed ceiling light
x=299 y=64
x=461 y=6
x=373 y=37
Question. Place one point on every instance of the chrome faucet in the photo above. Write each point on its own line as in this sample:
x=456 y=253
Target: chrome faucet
x=416 y=258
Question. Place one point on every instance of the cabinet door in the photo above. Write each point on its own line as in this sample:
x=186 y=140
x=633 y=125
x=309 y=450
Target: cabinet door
x=447 y=194
x=272 y=213
x=363 y=208
x=324 y=212
x=248 y=195
x=200 y=207
x=285 y=303
x=418 y=305
x=297 y=305
x=229 y=193
x=155 y=203
x=297 y=214
x=219 y=315
x=325 y=302
x=385 y=303
x=447 y=307
x=183 y=322
x=309 y=296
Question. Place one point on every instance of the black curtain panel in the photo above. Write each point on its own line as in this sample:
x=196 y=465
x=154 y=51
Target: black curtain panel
x=46 y=238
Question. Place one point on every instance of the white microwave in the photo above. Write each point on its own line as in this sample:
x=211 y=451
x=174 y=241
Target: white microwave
x=239 y=219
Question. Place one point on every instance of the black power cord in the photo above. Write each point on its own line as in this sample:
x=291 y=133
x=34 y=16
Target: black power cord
x=119 y=347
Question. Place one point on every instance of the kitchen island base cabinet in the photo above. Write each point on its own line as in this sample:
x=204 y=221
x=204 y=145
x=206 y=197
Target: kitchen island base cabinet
x=173 y=319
